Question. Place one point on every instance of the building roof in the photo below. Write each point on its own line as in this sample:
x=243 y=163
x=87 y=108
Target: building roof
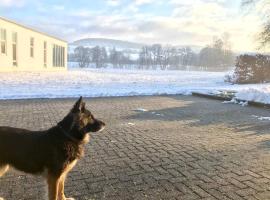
x=29 y=28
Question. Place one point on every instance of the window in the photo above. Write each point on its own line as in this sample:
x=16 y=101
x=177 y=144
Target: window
x=54 y=56
x=3 y=40
x=14 y=49
x=58 y=56
x=32 y=47
x=63 y=57
x=45 y=53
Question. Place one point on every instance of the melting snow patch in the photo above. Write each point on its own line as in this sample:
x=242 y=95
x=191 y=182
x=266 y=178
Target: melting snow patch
x=243 y=103
x=264 y=118
x=261 y=118
x=131 y=124
x=141 y=110
x=235 y=101
x=158 y=114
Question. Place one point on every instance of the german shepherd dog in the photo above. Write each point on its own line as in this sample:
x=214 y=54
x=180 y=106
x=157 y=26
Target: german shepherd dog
x=51 y=153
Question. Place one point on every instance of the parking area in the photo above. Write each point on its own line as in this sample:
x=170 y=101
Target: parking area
x=155 y=147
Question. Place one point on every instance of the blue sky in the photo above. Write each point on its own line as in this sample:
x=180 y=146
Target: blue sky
x=177 y=22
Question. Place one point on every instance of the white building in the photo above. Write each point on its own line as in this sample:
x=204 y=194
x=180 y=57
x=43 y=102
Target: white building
x=25 y=49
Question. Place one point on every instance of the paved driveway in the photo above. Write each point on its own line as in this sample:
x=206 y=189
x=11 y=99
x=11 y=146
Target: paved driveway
x=179 y=147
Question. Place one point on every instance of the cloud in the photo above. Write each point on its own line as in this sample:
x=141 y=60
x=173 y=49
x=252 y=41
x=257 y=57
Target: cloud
x=196 y=27
x=113 y=2
x=11 y=3
x=208 y=18
x=184 y=22
x=142 y=2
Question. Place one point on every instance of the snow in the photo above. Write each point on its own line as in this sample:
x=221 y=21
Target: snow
x=264 y=118
x=116 y=82
x=141 y=110
x=255 y=94
x=261 y=118
x=235 y=101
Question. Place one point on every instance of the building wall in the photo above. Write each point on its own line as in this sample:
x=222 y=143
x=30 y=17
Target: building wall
x=24 y=61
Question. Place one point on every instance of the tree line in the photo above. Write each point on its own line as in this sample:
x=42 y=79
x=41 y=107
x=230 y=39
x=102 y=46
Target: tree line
x=216 y=56
x=100 y=56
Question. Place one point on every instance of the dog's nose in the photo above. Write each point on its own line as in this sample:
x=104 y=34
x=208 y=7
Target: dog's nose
x=101 y=123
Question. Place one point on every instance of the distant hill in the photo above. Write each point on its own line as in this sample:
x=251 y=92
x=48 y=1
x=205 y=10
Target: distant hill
x=120 y=45
x=108 y=43
x=195 y=48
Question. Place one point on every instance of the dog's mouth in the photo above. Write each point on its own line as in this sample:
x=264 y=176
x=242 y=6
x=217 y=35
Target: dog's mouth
x=102 y=128
x=98 y=126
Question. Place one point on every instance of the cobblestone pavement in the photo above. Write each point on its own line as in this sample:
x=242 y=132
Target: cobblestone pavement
x=180 y=147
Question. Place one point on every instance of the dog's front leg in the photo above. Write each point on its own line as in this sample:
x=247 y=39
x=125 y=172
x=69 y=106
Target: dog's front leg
x=61 y=194
x=61 y=189
x=53 y=185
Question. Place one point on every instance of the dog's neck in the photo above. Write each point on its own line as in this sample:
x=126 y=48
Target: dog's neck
x=68 y=134
x=70 y=129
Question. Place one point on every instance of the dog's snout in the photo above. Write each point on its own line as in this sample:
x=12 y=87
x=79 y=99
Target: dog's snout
x=101 y=125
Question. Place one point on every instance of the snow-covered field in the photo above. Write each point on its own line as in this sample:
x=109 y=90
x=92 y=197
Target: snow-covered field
x=113 y=82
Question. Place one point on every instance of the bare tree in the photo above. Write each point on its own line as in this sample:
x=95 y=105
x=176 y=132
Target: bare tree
x=156 y=51
x=96 y=56
x=114 y=58
x=82 y=56
x=218 y=55
x=166 y=54
x=186 y=57
x=264 y=11
x=145 y=57
x=104 y=57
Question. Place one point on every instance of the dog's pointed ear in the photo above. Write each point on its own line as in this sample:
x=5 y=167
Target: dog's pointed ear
x=79 y=105
x=82 y=106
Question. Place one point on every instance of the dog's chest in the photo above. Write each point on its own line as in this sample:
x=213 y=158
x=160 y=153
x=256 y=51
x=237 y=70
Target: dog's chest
x=86 y=139
x=73 y=151
x=70 y=166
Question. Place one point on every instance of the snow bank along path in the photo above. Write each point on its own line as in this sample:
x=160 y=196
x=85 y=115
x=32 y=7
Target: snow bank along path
x=114 y=82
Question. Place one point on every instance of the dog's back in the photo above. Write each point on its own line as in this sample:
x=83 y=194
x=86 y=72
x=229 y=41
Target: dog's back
x=22 y=149
x=36 y=151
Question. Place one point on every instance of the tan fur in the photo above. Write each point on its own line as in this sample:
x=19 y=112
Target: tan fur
x=69 y=167
x=53 y=184
x=3 y=170
x=56 y=184
x=86 y=139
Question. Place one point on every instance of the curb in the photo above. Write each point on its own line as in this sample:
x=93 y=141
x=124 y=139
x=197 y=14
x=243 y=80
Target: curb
x=211 y=96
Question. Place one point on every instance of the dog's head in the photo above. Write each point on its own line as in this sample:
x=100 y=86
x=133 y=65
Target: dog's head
x=84 y=119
